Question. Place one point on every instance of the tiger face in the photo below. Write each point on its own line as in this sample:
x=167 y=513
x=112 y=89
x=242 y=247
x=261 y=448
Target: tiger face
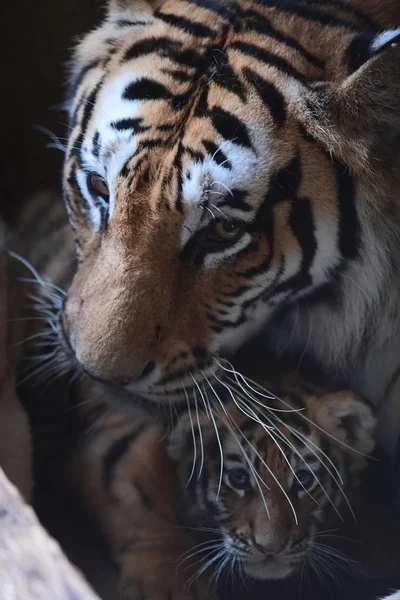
x=207 y=181
x=269 y=491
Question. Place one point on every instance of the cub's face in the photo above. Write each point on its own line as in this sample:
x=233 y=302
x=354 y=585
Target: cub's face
x=278 y=486
x=199 y=201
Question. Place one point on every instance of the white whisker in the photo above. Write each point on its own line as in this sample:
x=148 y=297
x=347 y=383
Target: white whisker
x=194 y=438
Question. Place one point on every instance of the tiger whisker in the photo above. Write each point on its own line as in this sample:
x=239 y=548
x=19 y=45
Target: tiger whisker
x=294 y=449
x=338 y=482
x=194 y=438
x=200 y=435
x=306 y=419
x=42 y=334
x=204 y=568
x=273 y=475
x=304 y=439
x=35 y=372
x=45 y=284
x=268 y=430
x=221 y=452
x=199 y=549
x=224 y=186
x=218 y=209
x=231 y=425
x=269 y=397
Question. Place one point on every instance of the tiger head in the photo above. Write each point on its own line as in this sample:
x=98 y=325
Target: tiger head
x=268 y=492
x=216 y=160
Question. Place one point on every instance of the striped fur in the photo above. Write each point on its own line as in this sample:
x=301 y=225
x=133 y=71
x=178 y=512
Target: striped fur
x=232 y=168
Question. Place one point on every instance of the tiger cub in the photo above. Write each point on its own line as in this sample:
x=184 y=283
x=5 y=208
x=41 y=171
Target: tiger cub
x=271 y=473
x=263 y=475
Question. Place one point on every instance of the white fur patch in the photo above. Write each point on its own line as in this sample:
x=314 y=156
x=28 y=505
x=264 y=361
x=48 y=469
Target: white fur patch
x=395 y=596
x=384 y=38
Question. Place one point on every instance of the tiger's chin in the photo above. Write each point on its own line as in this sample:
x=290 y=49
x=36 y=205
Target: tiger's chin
x=270 y=568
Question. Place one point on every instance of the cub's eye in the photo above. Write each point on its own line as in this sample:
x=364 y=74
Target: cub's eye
x=225 y=231
x=239 y=479
x=97 y=186
x=303 y=480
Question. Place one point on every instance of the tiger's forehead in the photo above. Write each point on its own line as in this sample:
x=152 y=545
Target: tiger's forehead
x=135 y=113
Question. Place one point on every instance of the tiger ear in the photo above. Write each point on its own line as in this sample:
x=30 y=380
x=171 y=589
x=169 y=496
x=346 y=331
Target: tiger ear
x=357 y=115
x=348 y=419
x=133 y=6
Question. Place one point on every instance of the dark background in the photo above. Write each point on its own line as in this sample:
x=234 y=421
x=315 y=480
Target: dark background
x=35 y=42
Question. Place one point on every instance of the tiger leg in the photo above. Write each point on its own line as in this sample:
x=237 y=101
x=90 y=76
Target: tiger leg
x=130 y=486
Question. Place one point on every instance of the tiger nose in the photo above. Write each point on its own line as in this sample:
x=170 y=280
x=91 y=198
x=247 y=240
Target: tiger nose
x=272 y=547
x=138 y=373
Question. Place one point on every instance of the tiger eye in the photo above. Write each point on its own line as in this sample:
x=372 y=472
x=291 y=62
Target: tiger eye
x=303 y=480
x=97 y=186
x=224 y=230
x=239 y=479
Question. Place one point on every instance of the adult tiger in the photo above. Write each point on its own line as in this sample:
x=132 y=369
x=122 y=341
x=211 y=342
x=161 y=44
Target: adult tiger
x=232 y=168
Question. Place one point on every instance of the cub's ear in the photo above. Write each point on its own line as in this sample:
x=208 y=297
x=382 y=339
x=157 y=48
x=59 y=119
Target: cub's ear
x=356 y=115
x=347 y=418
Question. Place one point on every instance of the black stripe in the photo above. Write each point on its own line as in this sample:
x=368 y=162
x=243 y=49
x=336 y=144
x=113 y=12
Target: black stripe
x=179 y=75
x=301 y=220
x=167 y=48
x=89 y=104
x=77 y=79
x=115 y=453
x=237 y=199
x=96 y=144
x=126 y=23
x=352 y=10
x=285 y=183
x=222 y=9
x=255 y=21
x=162 y=45
x=84 y=206
x=195 y=154
x=310 y=14
x=216 y=154
x=268 y=293
x=294 y=284
x=125 y=124
x=234 y=457
x=273 y=100
x=225 y=76
x=272 y=60
x=146 y=89
x=349 y=231
x=230 y=127
x=191 y=27
x=358 y=52
x=179 y=177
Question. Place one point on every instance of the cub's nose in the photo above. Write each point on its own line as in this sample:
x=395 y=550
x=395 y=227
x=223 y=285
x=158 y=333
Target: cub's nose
x=140 y=373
